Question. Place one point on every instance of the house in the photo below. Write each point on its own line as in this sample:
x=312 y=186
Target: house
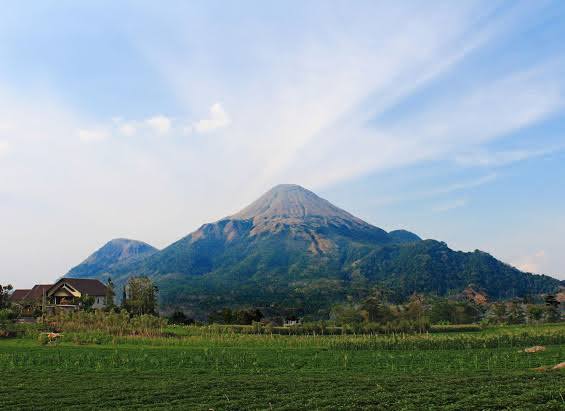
x=19 y=295
x=66 y=294
x=30 y=300
x=36 y=294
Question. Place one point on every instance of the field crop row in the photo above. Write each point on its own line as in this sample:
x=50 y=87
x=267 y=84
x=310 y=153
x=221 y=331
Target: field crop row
x=236 y=372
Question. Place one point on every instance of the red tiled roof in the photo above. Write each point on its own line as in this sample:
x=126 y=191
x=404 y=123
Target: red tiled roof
x=88 y=286
x=19 y=295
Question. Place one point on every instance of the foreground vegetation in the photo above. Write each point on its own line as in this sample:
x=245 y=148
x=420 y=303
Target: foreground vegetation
x=426 y=353
x=217 y=367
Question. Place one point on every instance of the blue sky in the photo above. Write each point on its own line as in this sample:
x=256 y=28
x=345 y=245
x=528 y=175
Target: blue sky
x=147 y=119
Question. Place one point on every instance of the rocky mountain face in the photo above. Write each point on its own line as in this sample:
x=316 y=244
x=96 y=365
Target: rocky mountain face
x=291 y=248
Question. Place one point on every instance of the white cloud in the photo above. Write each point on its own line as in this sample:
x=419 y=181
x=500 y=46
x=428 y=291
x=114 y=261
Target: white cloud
x=127 y=129
x=450 y=205
x=217 y=118
x=92 y=135
x=159 y=124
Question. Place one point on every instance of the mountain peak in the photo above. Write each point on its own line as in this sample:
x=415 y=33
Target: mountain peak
x=292 y=201
x=118 y=250
x=123 y=248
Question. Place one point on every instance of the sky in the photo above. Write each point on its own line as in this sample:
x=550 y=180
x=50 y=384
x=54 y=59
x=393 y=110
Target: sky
x=145 y=120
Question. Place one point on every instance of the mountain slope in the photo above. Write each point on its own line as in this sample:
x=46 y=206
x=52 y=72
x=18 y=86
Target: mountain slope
x=110 y=255
x=288 y=219
x=403 y=236
x=432 y=267
x=290 y=248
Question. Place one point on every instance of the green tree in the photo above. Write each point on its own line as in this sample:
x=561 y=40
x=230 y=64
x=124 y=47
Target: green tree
x=110 y=294
x=5 y=291
x=415 y=309
x=516 y=313
x=141 y=296
x=346 y=314
x=552 y=313
x=416 y=313
x=223 y=316
x=86 y=302
x=442 y=312
x=375 y=309
x=468 y=312
x=535 y=313
x=500 y=312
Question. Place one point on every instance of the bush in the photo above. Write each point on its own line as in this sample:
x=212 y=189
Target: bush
x=7 y=327
x=180 y=318
x=7 y=316
x=42 y=339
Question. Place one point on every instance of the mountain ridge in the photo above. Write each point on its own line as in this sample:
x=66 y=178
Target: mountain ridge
x=293 y=248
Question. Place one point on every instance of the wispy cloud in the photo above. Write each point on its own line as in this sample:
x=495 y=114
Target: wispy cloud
x=451 y=205
x=484 y=158
x=450 y=125
x=316 y=95
x=464 y=185
x=409 y=195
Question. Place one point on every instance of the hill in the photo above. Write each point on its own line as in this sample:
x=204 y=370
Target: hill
x=293 y=249
x=112 y=254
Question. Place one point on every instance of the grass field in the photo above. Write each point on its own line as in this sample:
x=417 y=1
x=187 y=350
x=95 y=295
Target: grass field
x=484 y=370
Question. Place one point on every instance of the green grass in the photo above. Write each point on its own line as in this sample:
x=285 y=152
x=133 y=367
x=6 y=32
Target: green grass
x=233 y=372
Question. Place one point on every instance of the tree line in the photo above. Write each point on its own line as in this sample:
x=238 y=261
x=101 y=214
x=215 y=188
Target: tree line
x=140 y=297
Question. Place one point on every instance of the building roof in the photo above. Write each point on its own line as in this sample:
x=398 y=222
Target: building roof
x=36 y=293
x=88 y=286
x=19 y=295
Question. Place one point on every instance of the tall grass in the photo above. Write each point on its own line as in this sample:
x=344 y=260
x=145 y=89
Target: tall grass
x=113 y=324
x=120 y=328
x=220 y=337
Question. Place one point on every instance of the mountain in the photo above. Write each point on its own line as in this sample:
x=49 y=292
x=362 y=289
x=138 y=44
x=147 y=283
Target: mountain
x=285 y=226
x=293 y=249
x=111 y=255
